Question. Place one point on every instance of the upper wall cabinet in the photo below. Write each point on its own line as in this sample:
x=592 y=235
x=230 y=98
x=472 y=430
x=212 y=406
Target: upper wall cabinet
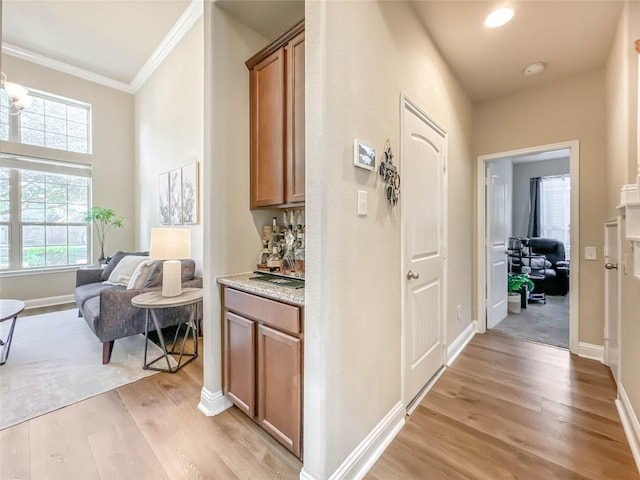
x=277 y=121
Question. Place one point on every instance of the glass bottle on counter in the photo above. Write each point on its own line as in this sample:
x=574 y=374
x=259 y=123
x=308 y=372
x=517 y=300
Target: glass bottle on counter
x=298 y=254
x=274 y=262
x=263 y=256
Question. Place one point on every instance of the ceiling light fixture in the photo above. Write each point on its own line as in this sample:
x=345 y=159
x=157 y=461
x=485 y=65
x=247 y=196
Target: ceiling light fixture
x=534 y=69
x=498 y=17
x=18 y=95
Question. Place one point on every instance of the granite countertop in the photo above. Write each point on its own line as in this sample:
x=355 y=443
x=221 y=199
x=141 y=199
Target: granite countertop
x=241 y=281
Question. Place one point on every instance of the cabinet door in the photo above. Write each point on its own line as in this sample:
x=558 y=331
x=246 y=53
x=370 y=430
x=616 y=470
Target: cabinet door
x=295 y=119
x=239 y=362
x=279 y=386
x=268 y=130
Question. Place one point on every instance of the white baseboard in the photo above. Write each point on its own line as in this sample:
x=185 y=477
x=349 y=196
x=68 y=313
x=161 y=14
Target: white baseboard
x=459 y=343
x=588 y=350
x=363 y=457
x=630 y=423
x=305 y=476
x=212 y=404
x=49 y=301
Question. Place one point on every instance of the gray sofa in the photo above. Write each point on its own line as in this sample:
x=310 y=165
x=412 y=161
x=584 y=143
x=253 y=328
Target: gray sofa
x=107 y=308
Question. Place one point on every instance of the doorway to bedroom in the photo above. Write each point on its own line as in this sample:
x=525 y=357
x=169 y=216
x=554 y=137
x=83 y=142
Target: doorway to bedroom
x=526 y=214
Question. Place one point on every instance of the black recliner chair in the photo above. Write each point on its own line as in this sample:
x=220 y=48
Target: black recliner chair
x=556 y=275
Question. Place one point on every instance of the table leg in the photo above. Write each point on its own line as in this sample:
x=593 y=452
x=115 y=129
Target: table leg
x=190 y=328
x=7 y=344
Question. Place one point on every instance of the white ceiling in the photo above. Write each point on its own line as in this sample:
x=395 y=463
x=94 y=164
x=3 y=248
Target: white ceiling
x=568 y=36
x=109 y=38
x=115 y=38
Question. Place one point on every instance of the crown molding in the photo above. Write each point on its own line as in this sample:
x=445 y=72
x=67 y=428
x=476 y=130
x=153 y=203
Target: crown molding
x=188 y=18
x=63 y=67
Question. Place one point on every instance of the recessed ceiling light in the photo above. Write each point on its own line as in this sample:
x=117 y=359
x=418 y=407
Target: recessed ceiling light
x=498 y=17
x=534 y=68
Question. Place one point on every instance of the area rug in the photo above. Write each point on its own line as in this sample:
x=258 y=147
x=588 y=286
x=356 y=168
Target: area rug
x=544 y=323
x=55 y=360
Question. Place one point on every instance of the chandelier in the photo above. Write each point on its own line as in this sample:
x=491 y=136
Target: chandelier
x=18 y=95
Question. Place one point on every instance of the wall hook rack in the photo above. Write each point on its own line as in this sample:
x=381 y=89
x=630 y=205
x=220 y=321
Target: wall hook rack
x=389 y=173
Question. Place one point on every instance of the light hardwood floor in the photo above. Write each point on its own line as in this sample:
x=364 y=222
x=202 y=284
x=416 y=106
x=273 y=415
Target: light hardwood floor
x=505 y=409
x=149 y=429
x=513 y=409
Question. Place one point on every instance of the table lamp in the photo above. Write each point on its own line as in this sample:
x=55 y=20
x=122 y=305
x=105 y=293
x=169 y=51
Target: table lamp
x=170 y=244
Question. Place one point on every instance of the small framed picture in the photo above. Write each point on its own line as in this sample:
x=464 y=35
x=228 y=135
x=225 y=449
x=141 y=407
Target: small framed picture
x=364 y=156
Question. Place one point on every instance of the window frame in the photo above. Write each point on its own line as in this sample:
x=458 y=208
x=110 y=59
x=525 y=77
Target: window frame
x=15 y=124
x=16 y=223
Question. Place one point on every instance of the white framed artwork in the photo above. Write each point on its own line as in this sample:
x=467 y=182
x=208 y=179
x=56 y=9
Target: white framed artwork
x=163 y=198
x=190 y=193
x=175 y=196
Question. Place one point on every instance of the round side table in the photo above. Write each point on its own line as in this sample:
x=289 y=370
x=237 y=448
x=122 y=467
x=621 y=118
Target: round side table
x=153 y=301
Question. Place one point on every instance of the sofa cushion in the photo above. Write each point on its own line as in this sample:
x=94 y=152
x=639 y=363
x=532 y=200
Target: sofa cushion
x=155 y=278
x=106 y=272
x=90 y=290
x=125 y=269
x=141 y=274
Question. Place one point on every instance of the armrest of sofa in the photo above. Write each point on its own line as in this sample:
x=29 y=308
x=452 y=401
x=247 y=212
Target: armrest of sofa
x=562 y=264
x=88 y=275
x=195 y=282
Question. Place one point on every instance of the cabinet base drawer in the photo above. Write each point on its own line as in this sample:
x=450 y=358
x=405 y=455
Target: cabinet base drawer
x=279 y=315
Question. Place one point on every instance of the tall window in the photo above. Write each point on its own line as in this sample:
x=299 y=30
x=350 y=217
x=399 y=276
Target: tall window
x=50 y=121
x=42 y=206
x=555 y=204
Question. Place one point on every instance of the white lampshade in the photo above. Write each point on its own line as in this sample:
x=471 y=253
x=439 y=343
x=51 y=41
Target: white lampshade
x=170 y=244
x=15 y=91
x=24 y=102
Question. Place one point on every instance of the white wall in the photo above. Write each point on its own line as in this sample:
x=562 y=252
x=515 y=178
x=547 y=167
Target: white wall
x=169 y=128
x=360 y=57
x=232 y=235
x=522 y=173
x=112 y=163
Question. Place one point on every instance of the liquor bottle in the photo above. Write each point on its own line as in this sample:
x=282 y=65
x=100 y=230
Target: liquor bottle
x=274 y=262
x=299 y=255
x=263 y=256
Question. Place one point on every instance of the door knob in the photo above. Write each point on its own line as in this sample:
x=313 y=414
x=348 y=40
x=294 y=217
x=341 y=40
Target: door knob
x=413 y=275
x=611 y=266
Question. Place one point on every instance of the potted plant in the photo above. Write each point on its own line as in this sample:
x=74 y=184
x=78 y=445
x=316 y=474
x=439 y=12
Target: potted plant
x=104 y=220
x=515 y=284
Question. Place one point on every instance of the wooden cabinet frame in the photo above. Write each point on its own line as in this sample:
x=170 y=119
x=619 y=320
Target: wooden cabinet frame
x=277 y=122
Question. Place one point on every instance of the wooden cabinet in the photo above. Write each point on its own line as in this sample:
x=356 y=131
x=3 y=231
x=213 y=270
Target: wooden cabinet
x=263 y=363
x=277 y=122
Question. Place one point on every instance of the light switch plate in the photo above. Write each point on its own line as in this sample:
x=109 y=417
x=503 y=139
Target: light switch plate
x=363 y=203
x=590 y=253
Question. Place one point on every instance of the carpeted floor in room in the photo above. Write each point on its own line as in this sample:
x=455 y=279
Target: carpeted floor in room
x=544 y=323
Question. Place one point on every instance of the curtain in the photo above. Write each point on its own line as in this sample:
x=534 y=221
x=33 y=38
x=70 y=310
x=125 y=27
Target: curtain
x=535 y=212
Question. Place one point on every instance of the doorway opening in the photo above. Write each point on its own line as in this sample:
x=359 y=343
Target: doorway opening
x=528 y=216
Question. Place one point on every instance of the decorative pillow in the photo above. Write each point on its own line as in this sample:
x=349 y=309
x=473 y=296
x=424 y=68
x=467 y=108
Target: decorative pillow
x=141 y=274
x=106 y=271
x=124 y=270
x=187 y=271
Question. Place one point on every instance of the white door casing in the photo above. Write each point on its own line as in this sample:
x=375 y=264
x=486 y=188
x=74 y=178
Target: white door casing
x=612 y=297
x=498 y=230
x=423 y=149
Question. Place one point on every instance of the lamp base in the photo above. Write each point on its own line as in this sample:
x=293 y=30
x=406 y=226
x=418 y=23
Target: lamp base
x=171 y=278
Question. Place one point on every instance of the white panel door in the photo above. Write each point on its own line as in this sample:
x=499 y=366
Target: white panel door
x=423 y=224
x=612 y=315
x=498 y=228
